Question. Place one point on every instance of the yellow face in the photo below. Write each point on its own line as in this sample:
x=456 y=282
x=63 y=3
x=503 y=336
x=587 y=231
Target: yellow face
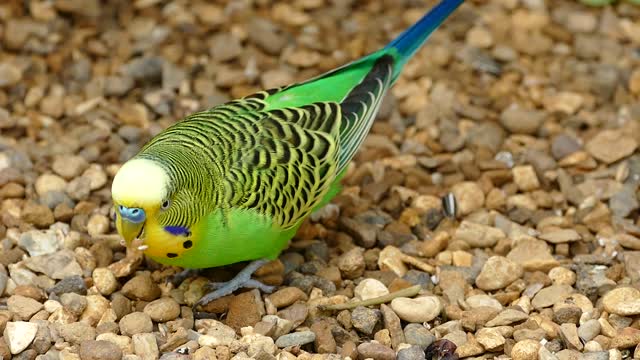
x=139 y=192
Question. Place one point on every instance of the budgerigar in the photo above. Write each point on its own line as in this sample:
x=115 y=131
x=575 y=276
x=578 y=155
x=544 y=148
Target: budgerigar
x=234 y=183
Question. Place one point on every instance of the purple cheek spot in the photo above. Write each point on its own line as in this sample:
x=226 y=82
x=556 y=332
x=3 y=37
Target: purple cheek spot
x=178 y=230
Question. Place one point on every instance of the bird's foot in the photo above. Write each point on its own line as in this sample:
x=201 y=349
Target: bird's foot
x=183 y=275
x=242 y=280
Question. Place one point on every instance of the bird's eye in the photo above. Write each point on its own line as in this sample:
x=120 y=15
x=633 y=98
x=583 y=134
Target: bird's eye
x=166 y=204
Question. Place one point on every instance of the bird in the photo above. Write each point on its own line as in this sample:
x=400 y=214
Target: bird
x=233 y=183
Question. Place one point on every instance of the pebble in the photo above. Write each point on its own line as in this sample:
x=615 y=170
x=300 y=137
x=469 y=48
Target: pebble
x=97 y=225
x=9 y=74
x=163 y=309
x=135 y=323
x=589 y=330
x=77 y=332
x=123 y=342
x=497 y=273
x=365 y=319
x=99 y=350
x=610 y=146
x=562 y=276
x=376 y=351
x=478 y=235
x=411 y=353
x=491 y=339
x=325 y=343
x=224 y=47
x=74 y=303
x=38 y=242
x=533 y=255
x=522 y=121
x=624 y=301
x=38 y=215
x=351 y=263
x=525 y=177
x=564 y=145
x=561 y=236
x=246 y=309
x=105 y=281
x=525 y=350
x=286 y=296
x=569 y=335
x=141 y=287
x=23 y=307
x=479 y=37
x=469 y=197
x=266 y=35
x=507 y=317
x=70 y=284
x=393 y=325
x=58 y=265
x=215 y=333
x=70 y=166
x=417 y=334
x=417 y=310
x=369 y=289
x=19 y=335
x=296 y=339
x=145 y=345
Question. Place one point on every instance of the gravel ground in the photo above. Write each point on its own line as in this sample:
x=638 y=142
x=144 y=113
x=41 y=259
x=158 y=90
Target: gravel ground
x=528 y=111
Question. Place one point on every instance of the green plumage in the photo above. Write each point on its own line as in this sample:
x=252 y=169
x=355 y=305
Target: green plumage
x=244 y=175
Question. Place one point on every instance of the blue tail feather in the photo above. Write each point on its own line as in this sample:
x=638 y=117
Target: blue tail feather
x=409 y=41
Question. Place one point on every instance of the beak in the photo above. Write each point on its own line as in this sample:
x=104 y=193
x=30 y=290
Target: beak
x=129 y=230
x=130 y=222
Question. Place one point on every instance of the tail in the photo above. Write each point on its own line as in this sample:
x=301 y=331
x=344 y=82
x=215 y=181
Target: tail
x=407 y=43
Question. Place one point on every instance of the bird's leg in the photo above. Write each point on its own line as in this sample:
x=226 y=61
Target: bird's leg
x=183 y=275
x=241 y=280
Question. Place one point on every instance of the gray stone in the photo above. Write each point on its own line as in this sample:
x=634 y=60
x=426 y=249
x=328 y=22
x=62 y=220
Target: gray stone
x=365 y=319
x=296 y=339
x=417 y=334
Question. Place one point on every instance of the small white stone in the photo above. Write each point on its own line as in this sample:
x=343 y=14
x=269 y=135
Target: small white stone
x=418 y=310
x=19 y=335
x=369 y=289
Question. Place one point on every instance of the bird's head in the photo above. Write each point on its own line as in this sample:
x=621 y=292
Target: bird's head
x=140 y=191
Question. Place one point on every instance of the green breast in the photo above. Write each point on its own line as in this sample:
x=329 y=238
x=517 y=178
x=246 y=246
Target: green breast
x=241 y=235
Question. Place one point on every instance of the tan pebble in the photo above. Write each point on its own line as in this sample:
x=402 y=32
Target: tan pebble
x=564 y=102
x=569 y=335
x=462 y=258
x=141 y=287
x=418 y=310
x=469 y=197
x=478 y=235
x=610 y=146
x=431 y=247
x=163 y=309
x=562 y=276
x=479 y=37
x=351 y=263
x=135 y=323
x=490 y=338
x=286 y=296
x=369 y=289
x=525 y=177
x=522 y=201
x=624 y=301
x=497 y=273
x=592 y=346
x=145 y=345
x=561 y=236
x=634 y=81
x=525 y=350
